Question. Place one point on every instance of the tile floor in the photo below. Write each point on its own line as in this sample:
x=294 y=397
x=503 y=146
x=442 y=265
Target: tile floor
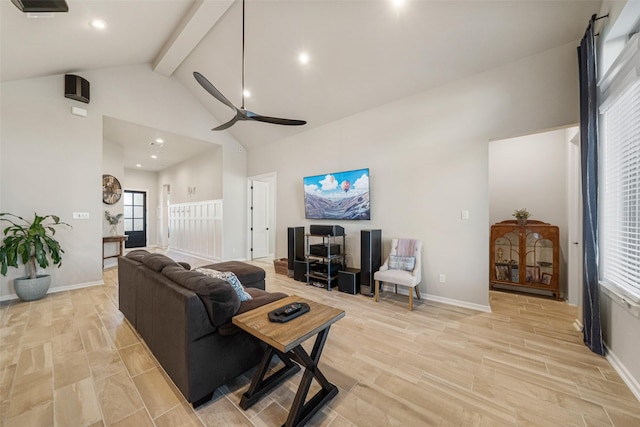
x=71 y=360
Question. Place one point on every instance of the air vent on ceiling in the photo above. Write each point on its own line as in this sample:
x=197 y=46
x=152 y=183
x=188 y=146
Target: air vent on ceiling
x=41 y=5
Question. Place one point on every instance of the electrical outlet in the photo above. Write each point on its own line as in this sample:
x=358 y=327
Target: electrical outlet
x=464 y=214
x=442 y=278
x=81 y=215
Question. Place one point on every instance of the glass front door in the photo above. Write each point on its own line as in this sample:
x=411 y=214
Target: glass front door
x=135 y=218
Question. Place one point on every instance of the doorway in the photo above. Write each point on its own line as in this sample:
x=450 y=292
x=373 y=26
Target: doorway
x=262 y=216
x=135 y=218
x=536 y=172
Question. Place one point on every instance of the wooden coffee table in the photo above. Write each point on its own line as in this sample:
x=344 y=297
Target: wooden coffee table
x=285 y=340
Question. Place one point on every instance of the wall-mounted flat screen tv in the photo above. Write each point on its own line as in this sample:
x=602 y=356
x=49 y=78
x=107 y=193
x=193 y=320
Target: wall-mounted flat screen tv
x=340 y=195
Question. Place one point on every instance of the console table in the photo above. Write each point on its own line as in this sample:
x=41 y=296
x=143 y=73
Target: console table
x=285 y=340
x=113 y=239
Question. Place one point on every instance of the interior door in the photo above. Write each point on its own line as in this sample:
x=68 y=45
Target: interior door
x=574 y=261
x=260 y=219
x=135 y=218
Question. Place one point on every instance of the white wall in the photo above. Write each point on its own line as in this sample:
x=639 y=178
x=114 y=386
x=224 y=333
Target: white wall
x=52 y=164
x=531 y=172
x=428 y=160
x=204 y=172
x=52 y=160
x=113 y=164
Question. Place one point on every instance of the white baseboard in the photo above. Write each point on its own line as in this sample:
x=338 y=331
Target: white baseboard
x=58 y=289
x=577 y=324
x=464 y=304
x=626 y=376
x=458 y=303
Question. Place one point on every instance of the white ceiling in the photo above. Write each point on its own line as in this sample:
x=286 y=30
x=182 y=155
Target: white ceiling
x=364 y=53
x=139 y=144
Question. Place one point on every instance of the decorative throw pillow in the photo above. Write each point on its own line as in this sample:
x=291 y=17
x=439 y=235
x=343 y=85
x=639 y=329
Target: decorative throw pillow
x=406 y=263
x=230 y=278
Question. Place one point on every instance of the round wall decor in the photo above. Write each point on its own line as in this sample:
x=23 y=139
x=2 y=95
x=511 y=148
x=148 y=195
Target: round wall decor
x=111 y=189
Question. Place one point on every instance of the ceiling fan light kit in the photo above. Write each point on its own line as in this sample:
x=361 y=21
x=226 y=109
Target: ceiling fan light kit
x=241 y=113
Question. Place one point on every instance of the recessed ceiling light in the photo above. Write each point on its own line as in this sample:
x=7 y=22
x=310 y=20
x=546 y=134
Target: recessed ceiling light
x=153 y=156
x=160 y=140
x=246 y=93
x=303 y=58
x=138 y=165
x=98 y=24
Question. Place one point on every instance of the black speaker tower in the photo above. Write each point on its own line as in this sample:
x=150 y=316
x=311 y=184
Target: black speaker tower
x=295 y=239
x=370 y=259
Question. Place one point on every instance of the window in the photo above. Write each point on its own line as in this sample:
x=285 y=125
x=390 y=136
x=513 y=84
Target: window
x=620 y=191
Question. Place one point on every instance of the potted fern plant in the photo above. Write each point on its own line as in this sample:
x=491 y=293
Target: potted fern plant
x=30 y=243
x=521 y=215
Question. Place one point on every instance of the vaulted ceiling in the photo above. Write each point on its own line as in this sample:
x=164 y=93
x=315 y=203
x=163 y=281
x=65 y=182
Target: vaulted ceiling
x=363 y=53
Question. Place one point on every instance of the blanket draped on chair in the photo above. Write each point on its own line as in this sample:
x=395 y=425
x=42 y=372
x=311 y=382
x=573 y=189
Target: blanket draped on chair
x=406 y=247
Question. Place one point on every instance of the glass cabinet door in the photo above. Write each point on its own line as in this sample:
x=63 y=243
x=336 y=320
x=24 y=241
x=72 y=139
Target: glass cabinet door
x=539 y=268
x=507 y=255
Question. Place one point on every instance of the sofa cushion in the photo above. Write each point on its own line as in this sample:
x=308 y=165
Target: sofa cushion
x=247 y=273
x=137 y=255
x=230 y=278
x=185 y=265
x=258 y=299
x=157 y=262
x=218 y=296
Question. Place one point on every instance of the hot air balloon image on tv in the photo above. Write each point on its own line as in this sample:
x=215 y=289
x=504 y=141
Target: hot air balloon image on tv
x=338 y=195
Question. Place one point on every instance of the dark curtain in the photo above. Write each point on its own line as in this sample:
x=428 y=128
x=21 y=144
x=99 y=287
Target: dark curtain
x=589 y=159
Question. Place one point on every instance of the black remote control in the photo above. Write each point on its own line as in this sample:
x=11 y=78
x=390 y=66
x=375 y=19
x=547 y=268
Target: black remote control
x=288 y=310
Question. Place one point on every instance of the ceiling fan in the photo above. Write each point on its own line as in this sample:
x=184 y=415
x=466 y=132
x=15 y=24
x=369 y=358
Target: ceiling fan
x=241 y=113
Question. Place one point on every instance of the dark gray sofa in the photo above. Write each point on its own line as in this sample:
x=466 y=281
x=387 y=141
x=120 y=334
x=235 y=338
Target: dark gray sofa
x=184 y=318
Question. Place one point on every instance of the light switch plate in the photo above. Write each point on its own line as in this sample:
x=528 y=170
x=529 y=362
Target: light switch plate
x=81 y=215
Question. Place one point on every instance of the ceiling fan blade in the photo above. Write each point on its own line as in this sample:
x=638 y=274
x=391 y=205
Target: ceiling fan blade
x=241 y=113
x=206 y=84
x=227 y=124
x=275 y=120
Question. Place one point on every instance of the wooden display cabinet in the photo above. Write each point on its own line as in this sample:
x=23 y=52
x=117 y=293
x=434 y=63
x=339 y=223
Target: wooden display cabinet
x=525 y=256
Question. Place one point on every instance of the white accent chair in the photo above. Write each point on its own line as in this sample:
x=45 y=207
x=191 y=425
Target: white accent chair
x=411 y=279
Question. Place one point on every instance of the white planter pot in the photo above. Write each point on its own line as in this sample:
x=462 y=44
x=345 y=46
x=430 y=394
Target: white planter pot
x=32 y=289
